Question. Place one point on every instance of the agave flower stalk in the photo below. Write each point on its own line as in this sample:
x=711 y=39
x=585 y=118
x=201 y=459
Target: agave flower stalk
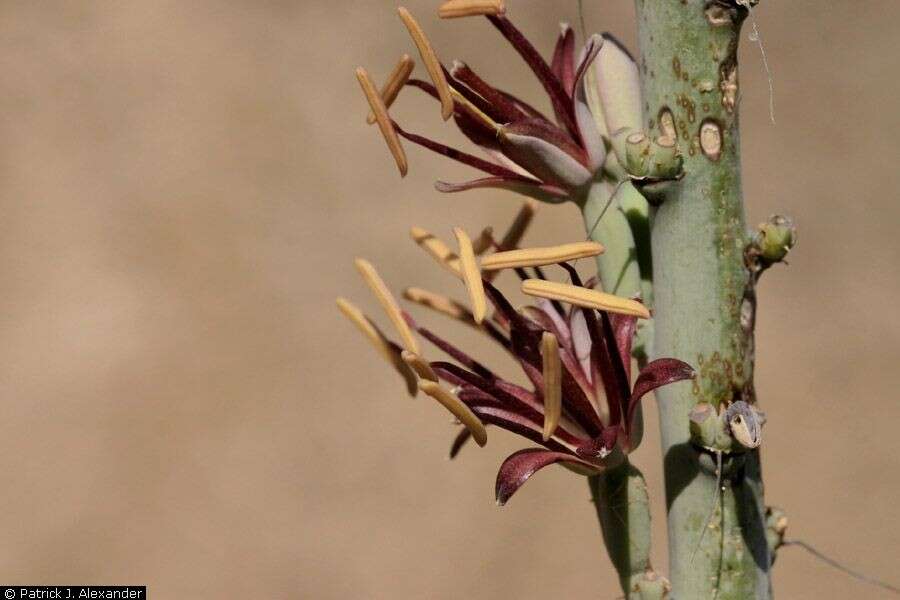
x=650 y=155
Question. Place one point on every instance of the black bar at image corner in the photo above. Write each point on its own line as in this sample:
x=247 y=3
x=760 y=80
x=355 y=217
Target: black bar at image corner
x=73 y=592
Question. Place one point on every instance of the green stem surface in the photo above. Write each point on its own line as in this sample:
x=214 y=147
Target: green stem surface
x=704 y=301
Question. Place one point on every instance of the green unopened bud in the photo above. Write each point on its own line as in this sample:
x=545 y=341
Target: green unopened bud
x=665 y=162
x=652 y=160
x=775 y=239
x=637 y=154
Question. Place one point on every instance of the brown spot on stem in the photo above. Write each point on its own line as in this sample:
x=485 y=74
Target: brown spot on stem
x=667 y=123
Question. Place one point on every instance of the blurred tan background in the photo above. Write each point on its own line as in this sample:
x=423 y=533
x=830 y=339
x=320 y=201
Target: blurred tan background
x=184 y=186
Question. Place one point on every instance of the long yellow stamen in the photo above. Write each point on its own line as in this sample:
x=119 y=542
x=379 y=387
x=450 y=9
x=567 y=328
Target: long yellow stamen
x=441 y=304
x=438 y=250
x=475 y=112
x=395 y=82
x=484 y=242
x=437 y=302
x=552 y=383
x=584 y=297
x=538 y=257
x=419 y=365
x=467 y=8
x=377 y=339
x=388 y=302
x=379 y=110
x=432 y=64
x=457 y=408
x=471 y=275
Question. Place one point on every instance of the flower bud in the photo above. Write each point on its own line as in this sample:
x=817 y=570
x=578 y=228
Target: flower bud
x=775 y=238
x=652 y=160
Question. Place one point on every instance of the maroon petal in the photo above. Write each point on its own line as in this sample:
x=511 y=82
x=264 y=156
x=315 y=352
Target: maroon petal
x=527 y=405
x=601 y=446
x=588 y=54
x=548 y=323
x=549 y=133
x=555 y=311
x=502 y=109
x=658 y=373
x=591 y=138
x=524 y=106
x=481 y=103
x=624 y=327
x=618 y=361
x=563 y=65
x=605 y=357
x=542 y=192
x=521 y=465
x=463 y=157
x=473 y=128
x=522 y=426
x=503 y=307
x=457 y=354
x=459 y=441
x=561 y=102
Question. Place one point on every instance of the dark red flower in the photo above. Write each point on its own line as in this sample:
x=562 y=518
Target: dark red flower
x=597 y=401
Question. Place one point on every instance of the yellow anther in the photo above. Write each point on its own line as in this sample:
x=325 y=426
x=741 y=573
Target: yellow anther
x=395 y=82
x=439 y=303
x=430 y=59
x=379 y=110
x=388 y=303
x=475 y=112
x=377 y=339
x=457 y=408
x=468 y=8
x=437 y=249
x=552 y=383
x=419 y=365
x=537 y=257
x=471 y=275
x=584 y=297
